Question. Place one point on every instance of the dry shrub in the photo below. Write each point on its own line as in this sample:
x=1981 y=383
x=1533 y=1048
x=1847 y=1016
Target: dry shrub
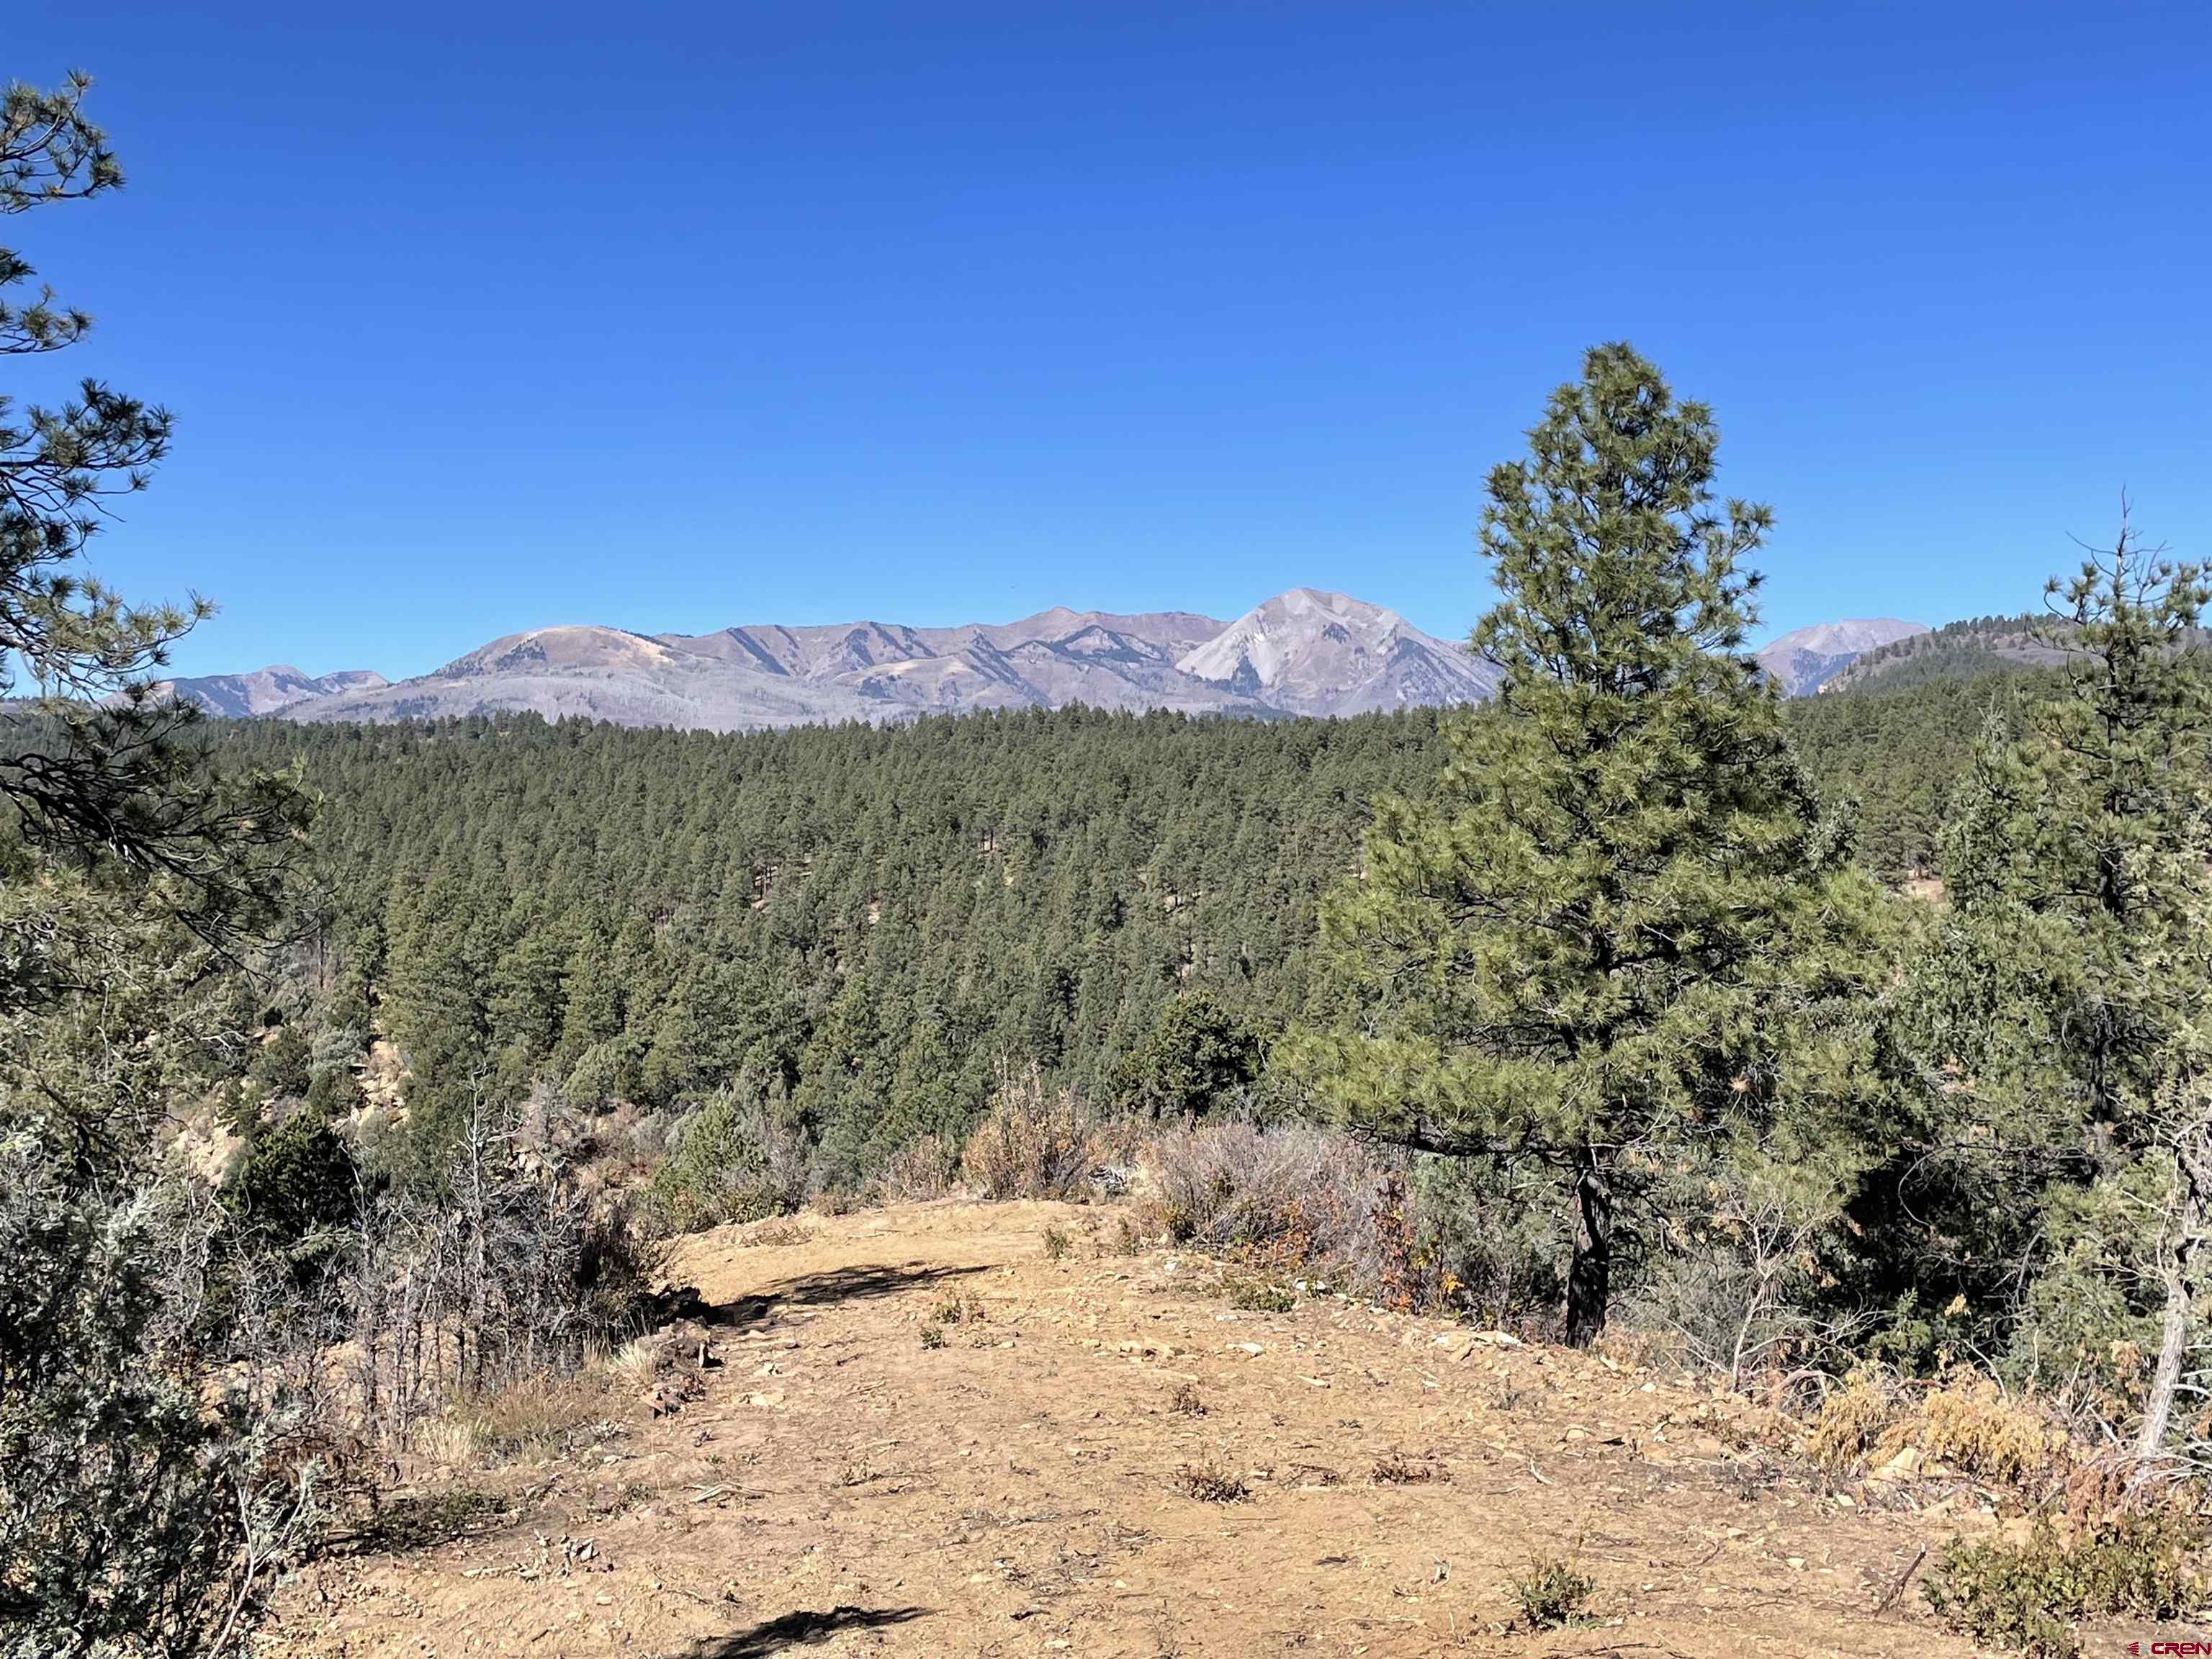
x=1184 y=1400
x=1852 y=1420
x=1057 y=1244
x=1210 y=1483
x=1296 y=1201
x=924 y=1169
x=1396 y=1469
x=1226 y=1186
x=1968 y=1423
x=1965 y=1421
x=1031 y=1143
x=515 y=1277
x=779 y=1232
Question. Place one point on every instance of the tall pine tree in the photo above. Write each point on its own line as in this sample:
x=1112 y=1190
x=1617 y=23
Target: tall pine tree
x=1598 y=944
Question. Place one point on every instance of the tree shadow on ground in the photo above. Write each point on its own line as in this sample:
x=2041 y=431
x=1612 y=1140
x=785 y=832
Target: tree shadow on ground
x=821 y=1290
x=799 y=1628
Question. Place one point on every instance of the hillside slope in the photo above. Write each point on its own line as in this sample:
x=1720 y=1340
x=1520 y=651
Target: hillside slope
x=1804 y=661
x=1015 y=1491
x=1970 y=649
x=266 y=690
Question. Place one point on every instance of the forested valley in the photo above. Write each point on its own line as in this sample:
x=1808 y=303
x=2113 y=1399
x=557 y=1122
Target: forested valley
x=867 y=927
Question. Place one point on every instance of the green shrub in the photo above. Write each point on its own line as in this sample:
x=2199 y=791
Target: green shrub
x=739 y=1158
x=1256 y=1293
x=1553 y=1592
x=2027 y=1596
x=296 y=1178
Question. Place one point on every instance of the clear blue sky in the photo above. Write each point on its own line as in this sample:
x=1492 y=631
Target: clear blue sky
x=479 y=316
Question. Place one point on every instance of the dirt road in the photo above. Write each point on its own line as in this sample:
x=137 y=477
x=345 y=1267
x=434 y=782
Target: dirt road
x=1016 y=1485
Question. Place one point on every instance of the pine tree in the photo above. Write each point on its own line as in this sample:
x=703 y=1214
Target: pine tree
x=2073 y=988
x=135 y=1514
x=1595 y=946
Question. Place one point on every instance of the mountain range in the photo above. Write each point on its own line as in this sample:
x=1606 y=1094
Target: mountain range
x=1300 y=652
x=1806 y=659
x=266 y=690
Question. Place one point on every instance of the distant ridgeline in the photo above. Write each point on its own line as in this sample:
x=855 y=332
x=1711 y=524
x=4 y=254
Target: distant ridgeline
x=868 y=920
x=1956 y=650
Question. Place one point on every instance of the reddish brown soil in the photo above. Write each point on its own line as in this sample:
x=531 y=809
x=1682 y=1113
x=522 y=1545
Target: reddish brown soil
x=843 y=1488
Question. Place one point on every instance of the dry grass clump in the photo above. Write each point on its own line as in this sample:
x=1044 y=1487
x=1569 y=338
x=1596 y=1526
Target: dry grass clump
x=1057 y=1244
x=663 y=1369
x=1184 y=1400
x=450 y=1444
x=1031 y=1143
x=1964 y=1422
x=779 y=1231
x=1396 y=1469
x=537 y=1421
x=1294 y=1201
x=959 y=1308
x=925 y=1169
x=1210 y=1483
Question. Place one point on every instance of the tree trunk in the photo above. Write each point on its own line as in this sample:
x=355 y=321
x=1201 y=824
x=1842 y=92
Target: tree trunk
x=2188 y=1227
x=1590 y=1274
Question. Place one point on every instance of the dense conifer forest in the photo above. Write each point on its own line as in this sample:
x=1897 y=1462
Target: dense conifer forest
x=868 y=923
x=864 y=923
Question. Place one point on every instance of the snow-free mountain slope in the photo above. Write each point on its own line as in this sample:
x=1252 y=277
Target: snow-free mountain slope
x=1807 y=658
x=265 y=689
x=597 y=673
x=1302 y=653
x=1311 y=653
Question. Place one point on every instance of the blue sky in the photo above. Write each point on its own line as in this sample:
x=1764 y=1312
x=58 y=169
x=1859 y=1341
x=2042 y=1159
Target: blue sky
x=482 y=317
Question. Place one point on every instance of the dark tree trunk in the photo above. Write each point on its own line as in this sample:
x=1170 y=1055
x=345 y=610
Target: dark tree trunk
x=1590 y=1274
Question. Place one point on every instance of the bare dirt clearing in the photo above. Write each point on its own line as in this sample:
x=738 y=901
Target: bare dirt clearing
x=1019 y=1483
